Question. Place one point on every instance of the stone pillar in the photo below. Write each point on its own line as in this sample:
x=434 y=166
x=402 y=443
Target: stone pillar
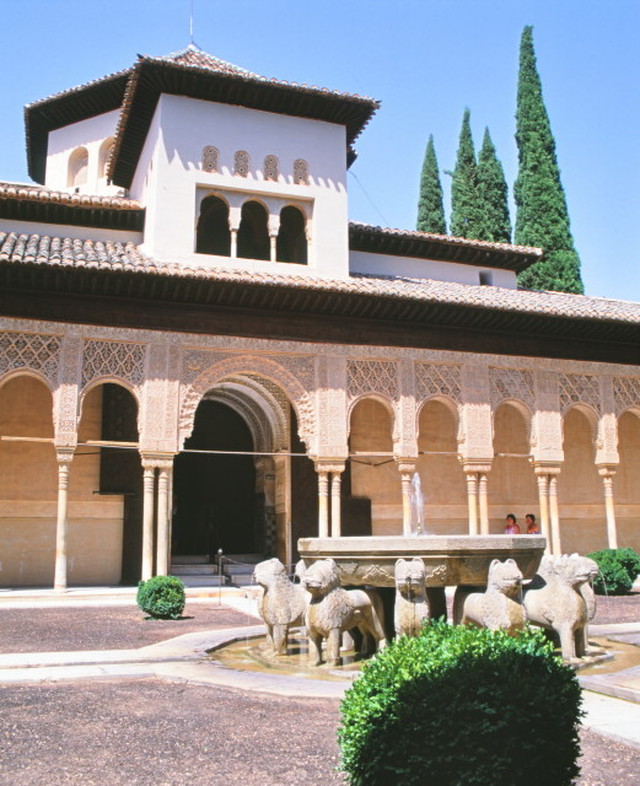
x=483 y=502
x=64 y=457
x=556 y=546
x=472 y=500
x=323 y=501
x=543 y=501
x=148 y=498
x=336 y=502
x=406 y=468
x=607 y=472
x=163 y=518
x=234 y=243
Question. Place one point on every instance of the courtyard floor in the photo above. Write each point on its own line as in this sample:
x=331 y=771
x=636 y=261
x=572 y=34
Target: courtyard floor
x=149 y=731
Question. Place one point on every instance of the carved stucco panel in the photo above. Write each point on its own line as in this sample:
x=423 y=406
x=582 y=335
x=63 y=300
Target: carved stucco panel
x=435 y=379
x=372 y=376
x=579 y=389
x=116 y=360
x=626 y=394
x=511 y=383
x=35 y=352
x=333 y=423
x=66 y=404
x=476 y=432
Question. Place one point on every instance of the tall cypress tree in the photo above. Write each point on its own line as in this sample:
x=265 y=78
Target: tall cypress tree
x=466 y=207
x=493 y=191
x=430 y=204
x=542 y=218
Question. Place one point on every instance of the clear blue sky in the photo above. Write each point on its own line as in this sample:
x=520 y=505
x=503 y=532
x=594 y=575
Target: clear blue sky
x=424 y=59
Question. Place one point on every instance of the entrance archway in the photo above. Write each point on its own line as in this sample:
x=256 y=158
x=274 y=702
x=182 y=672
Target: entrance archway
x=214 y=497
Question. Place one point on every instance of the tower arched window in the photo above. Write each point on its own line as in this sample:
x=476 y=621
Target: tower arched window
x=105 y=152
x=78 y=167
x=241 y=163
x=210 y=159
x=300 y=172
x=212 y=234
x=271 y=167
x=253 y=235
x=291 y=244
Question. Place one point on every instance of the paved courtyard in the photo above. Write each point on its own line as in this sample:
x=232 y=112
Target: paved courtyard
x=149 y=731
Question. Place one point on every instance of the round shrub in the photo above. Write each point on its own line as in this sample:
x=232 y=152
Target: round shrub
x=618 y=570
x=161 y=597
x=462 y=706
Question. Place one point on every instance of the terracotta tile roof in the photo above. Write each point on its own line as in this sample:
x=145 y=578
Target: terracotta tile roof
x=125 y=257
x=23 y=191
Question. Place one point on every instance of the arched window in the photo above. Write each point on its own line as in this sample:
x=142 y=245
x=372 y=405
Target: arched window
x=241 y=163
x=300 y=172
x=212 y=234
x=291 y=245
x=78 y=166
x=210 y=159
x=253 y=235
x=271 y=167
x=105 y=151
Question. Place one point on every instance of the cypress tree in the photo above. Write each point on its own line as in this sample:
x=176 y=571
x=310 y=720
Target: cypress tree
x=542 y=217
x=466 y=207
x=493 y=191
x=430 y=204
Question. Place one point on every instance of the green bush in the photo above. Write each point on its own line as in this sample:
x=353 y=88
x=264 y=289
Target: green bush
x=161 y=597
x=461 y=706
x=618 y=570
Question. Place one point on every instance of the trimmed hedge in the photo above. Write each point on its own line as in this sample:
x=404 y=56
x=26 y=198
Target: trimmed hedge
x=462 y=706
x=618 y=570
x=161 y=597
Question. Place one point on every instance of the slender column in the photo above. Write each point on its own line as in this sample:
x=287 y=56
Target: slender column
x=148 y=485
x=162 y=552
x=64 y=457
x=336 y=500
x=556 y=546
x=234 y=243
x=607 y=473
x=543 y=501
x=323 y=502
x=472 y=501
x=483 y=502
x=407 y=468
x=272 y=248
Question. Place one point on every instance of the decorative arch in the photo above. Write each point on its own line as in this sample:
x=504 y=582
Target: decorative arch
x=291 y=243
x=520 y=407
x=451 y=404
x=253 y=233
x=213 y=235
x=300 y=398
x=78 y=167
x=589 y=412
x=25 y=371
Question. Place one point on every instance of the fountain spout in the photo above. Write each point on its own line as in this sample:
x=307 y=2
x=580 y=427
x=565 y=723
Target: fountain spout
x=416 y=498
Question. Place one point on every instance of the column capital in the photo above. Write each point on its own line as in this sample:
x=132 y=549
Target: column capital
x=65 y=453
x=406 y=464
x=159 y=460
x=469 y=465
x=547 y=468
x=329 y=465
x=606 y=470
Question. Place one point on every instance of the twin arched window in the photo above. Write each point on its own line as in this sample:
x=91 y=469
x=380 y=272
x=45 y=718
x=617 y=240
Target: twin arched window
x=213 y=235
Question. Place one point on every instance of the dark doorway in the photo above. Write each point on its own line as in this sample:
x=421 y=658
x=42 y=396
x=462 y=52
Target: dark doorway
x=214 y=496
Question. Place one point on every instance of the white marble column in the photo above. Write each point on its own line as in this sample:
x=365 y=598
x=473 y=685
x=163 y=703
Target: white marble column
x=472 y=500
x=483 y=502
x=323 y=502
x=148 y=499
x=406 y=469
x=607 y=473
x=336 y=502
x=556 y=545
x=165 y=471
x=543 y=501
x=64 y=457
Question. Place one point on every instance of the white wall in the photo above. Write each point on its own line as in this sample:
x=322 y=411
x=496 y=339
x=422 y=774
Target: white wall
x=171 y=165
x=388 y=265
x=90 y=133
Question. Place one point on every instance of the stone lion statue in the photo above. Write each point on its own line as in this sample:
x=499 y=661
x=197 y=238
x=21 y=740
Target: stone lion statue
x=554 y=600
x=412 y=606
x=333 y=609
x=282 y=604
x=500 y=606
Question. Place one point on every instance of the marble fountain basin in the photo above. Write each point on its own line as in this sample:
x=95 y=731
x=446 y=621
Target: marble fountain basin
x=450 y=560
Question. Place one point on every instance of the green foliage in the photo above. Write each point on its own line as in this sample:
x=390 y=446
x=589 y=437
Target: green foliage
x=466 y=205
x=462 y=706
x=542 y=217
x=430 y=205
x=161 y=597
x=494 y=193
x=618 y=570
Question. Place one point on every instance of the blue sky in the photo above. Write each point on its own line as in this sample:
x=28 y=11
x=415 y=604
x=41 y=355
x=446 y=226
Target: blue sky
x=426 y=60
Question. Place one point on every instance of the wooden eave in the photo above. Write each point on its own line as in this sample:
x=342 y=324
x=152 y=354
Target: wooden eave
x=49 y=212
x=275 y=310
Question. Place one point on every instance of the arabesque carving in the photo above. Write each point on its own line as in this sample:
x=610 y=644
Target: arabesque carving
x=626 y=394
x=511 y=383
x=372 y=376
x=433 y=379
x=33 y=351
x=115 y=359
x=579 y=389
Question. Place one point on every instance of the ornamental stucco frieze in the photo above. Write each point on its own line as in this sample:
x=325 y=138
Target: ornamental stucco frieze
x=36 y=352
x=117 y=360
x=434 y=379
x=579 y=389
x=511 y=383
x=365 y=377
x=626 y=394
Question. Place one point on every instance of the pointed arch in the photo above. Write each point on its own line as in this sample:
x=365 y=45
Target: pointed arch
x=253 y=233
x=291 y=243
x=213 y=235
